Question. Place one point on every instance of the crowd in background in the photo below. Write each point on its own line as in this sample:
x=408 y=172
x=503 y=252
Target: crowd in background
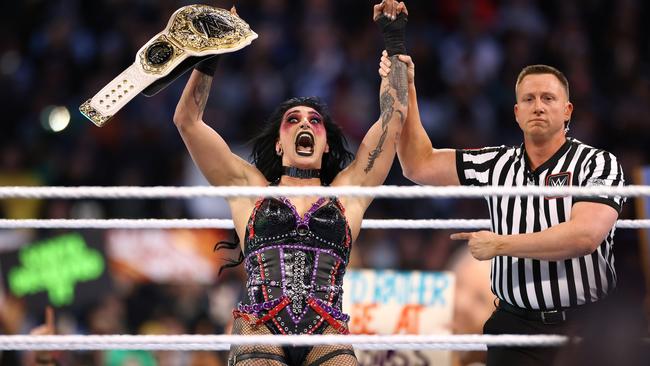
x=467 y=56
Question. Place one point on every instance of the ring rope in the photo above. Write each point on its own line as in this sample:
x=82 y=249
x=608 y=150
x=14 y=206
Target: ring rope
x=228 y=224
x=120 y=192
x=187 y=342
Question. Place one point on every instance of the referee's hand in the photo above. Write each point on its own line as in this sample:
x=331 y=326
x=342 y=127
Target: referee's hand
x=482 y=244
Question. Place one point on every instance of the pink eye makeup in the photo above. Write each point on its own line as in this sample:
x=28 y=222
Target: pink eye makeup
x=295 y=117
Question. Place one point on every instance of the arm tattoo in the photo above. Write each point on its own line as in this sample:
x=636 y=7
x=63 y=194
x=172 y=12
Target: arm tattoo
x=386 y=102
x=201 y=92
x=397 y=81
x=374 y=154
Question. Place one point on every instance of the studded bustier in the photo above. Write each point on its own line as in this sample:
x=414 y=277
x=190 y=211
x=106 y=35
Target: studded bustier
x=295 y=266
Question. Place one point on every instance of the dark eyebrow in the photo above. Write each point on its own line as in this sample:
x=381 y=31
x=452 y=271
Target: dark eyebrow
x=314 y=113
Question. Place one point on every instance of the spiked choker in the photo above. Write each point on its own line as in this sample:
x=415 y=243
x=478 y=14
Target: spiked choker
x=292 y=171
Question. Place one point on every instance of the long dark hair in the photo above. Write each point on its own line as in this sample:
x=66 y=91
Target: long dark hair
x=269 y=163
x=224 y=244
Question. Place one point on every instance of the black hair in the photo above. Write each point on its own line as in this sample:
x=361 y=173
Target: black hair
x=229 y=245
x=269 y=163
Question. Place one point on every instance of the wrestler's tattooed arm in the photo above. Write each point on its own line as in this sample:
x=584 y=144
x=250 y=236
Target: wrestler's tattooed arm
x=200 y=93
x=192 y=103
x=392 y=103
x=208 y=149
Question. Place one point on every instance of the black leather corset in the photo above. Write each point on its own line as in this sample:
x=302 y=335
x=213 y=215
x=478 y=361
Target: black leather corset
x=296 y=264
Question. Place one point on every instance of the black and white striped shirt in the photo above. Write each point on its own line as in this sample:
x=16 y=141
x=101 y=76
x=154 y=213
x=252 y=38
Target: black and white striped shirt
x=539 y=284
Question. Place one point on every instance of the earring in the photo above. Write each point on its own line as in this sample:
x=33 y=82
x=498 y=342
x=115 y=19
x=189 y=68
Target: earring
x=278 y=151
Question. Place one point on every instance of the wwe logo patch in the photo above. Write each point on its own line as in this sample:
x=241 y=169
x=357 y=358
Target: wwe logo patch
x=562 y=179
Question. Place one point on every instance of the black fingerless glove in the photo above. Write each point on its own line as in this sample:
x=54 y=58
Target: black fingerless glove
x=209 y=65
x=394 y=33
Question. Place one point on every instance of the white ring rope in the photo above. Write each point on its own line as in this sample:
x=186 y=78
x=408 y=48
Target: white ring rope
x=379 y=191
x=228 y=224
x=186 y=342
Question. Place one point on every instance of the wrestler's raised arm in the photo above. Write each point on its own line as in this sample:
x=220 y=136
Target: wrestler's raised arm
x=208 y=149
x=377 y=150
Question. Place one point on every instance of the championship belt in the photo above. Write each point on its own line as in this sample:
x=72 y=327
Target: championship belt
x=193 y=33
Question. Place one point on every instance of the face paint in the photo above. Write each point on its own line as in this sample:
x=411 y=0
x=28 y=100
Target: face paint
x=295 y=117
x=302 y=127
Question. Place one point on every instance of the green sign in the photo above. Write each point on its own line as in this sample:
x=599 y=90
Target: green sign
x=55 y=265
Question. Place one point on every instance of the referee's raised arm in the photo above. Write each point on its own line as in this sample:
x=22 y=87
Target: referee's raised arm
x=420 y=162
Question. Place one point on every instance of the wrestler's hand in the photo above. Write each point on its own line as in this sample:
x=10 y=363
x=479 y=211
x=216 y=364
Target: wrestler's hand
x=384 y=66
x=389 y=8
x=483 y=244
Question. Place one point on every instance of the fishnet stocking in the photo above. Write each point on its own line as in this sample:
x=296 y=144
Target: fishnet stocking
x=241 y=326
x=319 y=352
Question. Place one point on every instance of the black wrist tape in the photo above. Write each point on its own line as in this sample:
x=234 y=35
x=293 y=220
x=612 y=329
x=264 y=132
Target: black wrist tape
x=208 y=66
x=394 y=33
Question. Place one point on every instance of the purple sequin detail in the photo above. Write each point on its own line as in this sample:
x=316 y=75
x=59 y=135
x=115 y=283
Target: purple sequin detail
x=334 y=312
x=284 y=280
x=268 y=305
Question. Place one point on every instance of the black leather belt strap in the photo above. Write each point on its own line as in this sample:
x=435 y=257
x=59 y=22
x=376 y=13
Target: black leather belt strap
x=544 y=316
x=333 y=354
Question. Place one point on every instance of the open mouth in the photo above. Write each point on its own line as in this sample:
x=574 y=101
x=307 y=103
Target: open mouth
x=305 y=144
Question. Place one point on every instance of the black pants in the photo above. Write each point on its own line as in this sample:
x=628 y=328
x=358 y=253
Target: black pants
x=610 y=336
x=503 y=322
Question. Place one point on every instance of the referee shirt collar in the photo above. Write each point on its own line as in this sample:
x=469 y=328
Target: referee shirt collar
x=548 y=163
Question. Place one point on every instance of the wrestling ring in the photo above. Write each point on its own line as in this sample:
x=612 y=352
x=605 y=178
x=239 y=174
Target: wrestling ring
x=468 y=342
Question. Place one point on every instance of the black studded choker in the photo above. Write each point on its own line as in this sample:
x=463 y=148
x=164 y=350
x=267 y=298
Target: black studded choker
x=292 y=171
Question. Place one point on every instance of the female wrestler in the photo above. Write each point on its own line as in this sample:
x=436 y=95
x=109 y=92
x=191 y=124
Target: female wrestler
x=296 y=251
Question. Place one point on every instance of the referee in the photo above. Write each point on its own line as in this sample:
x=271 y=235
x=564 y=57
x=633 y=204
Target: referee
x=552 y=257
